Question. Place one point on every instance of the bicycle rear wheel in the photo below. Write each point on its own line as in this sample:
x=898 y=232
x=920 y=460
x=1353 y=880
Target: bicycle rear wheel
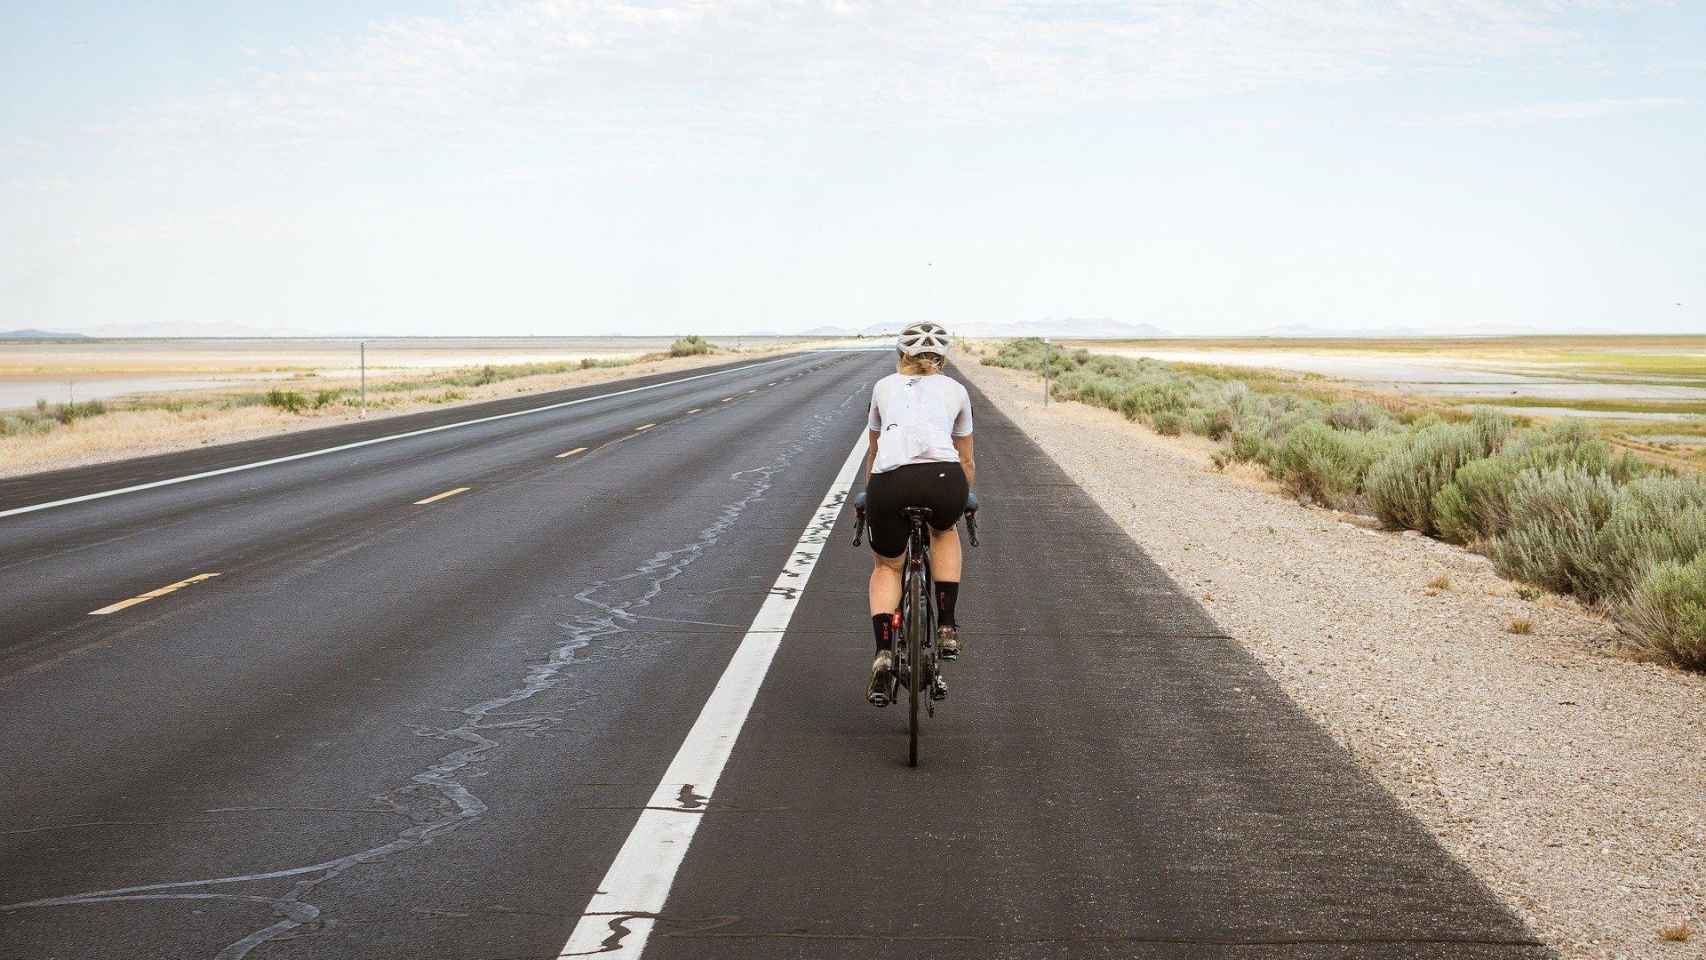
x=917 y=622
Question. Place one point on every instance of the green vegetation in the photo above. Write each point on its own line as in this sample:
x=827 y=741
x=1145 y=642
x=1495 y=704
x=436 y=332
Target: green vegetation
x=46 y=416
x=1668 y=611
x=690 y=346
x=1555 y=506
x=1609 y=408
x=287 y=400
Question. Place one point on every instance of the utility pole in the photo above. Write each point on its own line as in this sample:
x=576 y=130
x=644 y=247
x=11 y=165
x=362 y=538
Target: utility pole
x=1048 y=352
x=364 y=379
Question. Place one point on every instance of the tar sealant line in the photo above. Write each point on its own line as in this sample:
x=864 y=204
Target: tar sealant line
x=370 y=442
x=620 y=915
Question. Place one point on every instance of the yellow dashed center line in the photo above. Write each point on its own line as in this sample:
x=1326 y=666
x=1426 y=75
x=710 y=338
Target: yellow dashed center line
x=441 y=496
x=646 y=426
x=143 y=598
x=570 y=453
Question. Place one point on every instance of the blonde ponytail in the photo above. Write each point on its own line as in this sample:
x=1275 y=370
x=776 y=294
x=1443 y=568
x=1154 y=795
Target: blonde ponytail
x=920 y=365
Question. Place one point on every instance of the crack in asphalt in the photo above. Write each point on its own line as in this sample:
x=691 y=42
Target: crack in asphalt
x=435 y=798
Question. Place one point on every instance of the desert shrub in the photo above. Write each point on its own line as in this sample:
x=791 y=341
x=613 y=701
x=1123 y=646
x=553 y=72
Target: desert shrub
x=1652 y=519
x=1250 y=440
x=1211 y=422
x=1555 y=517
x=1167 y=423
x=287 y=400
x=1402 y=486
x=1475 y=505
x=689 y=346
x=1572 y=441
x=24 y=424
x=1357 y=415
x=1665 y=614
x=69 y=413
x=1328 y=466
x=327 y=397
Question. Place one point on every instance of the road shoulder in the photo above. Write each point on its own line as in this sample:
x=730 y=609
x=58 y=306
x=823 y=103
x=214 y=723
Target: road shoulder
x=1568 y=779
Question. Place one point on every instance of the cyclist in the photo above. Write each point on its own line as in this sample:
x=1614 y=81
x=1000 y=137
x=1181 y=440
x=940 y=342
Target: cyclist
x=920 y=456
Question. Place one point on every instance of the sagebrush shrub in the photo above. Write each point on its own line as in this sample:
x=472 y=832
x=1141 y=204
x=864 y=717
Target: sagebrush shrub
x=1475 y=505
x=1652 y=519
x=1211 y=422
x=1359 y=415
x=689 y=346
x=1402 y=486
x=1325 y=465
x=1555 y=517
x=1665 y=613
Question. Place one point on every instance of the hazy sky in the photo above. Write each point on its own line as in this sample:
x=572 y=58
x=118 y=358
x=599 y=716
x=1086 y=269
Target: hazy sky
x=583 y=166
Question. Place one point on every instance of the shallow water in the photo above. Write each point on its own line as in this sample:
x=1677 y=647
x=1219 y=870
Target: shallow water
x=107 y=369
x=1443 y=376
x=21 y=392
x=1597 y=414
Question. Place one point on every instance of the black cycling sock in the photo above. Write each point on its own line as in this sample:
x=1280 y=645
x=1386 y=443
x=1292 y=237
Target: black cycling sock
x=947 y=591
x=882 y=624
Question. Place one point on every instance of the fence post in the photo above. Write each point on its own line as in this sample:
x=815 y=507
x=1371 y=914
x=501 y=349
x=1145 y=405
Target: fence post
x=1048 y=352
x=364 y=379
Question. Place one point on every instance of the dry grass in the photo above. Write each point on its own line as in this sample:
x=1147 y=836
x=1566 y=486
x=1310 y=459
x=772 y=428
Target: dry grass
x=1520 y=625
x=1441 y=582
x=1677 y=932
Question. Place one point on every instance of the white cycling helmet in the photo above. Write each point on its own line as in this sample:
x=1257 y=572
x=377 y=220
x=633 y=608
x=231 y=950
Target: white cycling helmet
x=924 y=337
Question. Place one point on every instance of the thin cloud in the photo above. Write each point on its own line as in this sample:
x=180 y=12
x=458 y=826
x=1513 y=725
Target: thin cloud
x=1566 y=110
x=567 y=66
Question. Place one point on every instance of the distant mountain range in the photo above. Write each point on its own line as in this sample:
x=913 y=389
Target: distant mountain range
x=1098 y=328
x=39 y=335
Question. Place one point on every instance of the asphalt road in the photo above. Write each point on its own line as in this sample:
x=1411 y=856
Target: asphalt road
x=395 y=728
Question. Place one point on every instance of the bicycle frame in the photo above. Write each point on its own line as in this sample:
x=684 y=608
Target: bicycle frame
x=916 y=659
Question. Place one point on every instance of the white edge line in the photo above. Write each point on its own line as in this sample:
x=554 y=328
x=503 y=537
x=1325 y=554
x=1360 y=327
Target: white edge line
x=634 y=889
x=68 y=501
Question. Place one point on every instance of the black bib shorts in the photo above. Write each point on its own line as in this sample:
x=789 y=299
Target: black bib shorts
x=940 y=486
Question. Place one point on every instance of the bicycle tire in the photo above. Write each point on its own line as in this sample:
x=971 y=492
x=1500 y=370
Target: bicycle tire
x=917 y=622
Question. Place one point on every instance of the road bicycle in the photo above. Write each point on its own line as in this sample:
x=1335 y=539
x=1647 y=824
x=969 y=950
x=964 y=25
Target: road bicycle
x=917 y=632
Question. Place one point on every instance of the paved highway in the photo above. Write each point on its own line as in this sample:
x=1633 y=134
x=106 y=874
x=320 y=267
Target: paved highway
x=587 y=676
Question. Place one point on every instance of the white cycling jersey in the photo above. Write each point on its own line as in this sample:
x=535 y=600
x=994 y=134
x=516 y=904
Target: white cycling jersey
x=917 y=418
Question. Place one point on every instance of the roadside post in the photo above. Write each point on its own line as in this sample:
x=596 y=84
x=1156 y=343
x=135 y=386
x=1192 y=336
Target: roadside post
x=364 y=379
x=1048 y=351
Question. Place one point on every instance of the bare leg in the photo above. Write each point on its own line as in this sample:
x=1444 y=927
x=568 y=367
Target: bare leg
x=885 y=584
x=944 y=556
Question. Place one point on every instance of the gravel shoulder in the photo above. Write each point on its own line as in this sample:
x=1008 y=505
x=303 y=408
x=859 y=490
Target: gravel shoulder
x=1573 y=781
